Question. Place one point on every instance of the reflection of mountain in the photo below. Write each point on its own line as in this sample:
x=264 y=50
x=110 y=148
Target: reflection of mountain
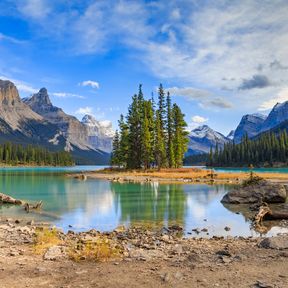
x=150 y=202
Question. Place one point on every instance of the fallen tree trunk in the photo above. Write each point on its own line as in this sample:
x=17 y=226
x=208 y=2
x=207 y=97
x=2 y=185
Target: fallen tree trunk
x=6 y=199
x=10 y=200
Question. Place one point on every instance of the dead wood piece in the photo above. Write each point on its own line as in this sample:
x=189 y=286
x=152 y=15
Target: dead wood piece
x=265 y=213
x=36 y=206
x=9 y=200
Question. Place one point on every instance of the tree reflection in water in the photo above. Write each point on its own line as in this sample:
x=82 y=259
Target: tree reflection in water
x=150 y=203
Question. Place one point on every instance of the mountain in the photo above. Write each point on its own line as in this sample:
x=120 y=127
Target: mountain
x=100 y=133
x=250 y=124
x=278 y=114
x=36 y=121
x=18 y=123
x=202 y=138
x=231 y=135
x=69 y=126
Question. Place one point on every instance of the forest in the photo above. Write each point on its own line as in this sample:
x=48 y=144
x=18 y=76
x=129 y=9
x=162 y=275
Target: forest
x=151 y=135
x=15 y=154
x=267 y=149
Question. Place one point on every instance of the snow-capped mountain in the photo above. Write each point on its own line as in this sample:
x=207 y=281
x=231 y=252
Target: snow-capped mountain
x=250 y=124
x=100 y=133
x=36 y=121
x=278 y=114
x=231 y=135
x=202 y=138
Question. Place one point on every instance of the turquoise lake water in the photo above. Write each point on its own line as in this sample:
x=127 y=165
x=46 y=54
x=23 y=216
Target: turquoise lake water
x=80 y=205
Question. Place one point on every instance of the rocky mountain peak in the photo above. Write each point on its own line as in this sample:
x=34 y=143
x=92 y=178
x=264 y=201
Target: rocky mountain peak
x=205 y=131
x=231 y=135
x=8 y=93
x=40 y=103
x=41 y=98
x=250 y=124
x=278 y=114
x=89 y=120
x=202 y=138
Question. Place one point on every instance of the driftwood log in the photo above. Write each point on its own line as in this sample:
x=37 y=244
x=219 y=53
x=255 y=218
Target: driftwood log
x=265 y=213
x=36 y=206
x=6 y=199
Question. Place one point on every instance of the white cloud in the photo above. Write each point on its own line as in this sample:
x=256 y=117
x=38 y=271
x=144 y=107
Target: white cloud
x=21 y=85
x=205 y=98
x=197 y=45
x=84 y=111
x=13 y=40
x=67 y=95
x=36 y=9
x=90 y=83
x=281 y=97
x=189 y=93
x=199 y=119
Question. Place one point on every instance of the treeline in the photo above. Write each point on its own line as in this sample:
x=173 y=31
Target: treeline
x=150 y=136
x=267 y=149
x=14 y=154
x=198 y=159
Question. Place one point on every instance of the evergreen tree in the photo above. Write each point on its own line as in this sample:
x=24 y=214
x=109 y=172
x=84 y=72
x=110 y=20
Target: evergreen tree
x=264 y=150
x=148 y=136
x=115 y=157
x=170 y=148
x=180 y=135
x=14 y=154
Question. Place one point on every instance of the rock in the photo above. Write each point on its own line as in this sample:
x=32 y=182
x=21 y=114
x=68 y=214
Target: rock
x=260 y=284
x=227 y=228
x=166 y=277
x=30 y=223
x=264 y=191
x=279 y=242
x=223 y=253
x=165 y=238
x=53 y=253
x=178 y=249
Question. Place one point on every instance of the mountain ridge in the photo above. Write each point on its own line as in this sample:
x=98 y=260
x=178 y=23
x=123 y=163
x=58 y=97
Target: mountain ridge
x=36 y=121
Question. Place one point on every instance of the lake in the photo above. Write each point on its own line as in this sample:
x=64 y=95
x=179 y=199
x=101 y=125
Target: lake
x=77 y=205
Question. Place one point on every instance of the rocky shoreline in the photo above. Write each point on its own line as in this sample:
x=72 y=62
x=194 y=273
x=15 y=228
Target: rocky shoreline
x=144 y=258
x=181 y=176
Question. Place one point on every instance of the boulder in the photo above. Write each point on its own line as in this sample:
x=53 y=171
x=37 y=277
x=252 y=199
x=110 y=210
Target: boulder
x=263 y=191
x=53 y=253
x=279 y=242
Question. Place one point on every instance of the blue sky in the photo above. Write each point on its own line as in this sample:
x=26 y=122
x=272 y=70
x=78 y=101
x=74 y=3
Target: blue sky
x=219 y=59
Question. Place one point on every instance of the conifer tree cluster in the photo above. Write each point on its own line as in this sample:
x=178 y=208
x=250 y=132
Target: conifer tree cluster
x=150 y=136
x=14 y=154
x=268 y=148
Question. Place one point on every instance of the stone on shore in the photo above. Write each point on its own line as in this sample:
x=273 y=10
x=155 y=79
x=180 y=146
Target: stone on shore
x=279 y=242
x=263 y=191
x=53 y=253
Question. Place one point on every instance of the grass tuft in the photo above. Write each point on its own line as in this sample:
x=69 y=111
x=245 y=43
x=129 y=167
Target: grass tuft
x=46 y=238
x=101 y=250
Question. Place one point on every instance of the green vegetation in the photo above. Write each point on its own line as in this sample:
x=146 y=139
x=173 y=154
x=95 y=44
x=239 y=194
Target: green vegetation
x=267 y=149
x=14 y=154
x=149 y=136
x=253 y=179
x=198 y=159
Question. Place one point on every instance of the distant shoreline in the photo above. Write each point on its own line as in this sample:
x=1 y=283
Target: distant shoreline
x=181 y=175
